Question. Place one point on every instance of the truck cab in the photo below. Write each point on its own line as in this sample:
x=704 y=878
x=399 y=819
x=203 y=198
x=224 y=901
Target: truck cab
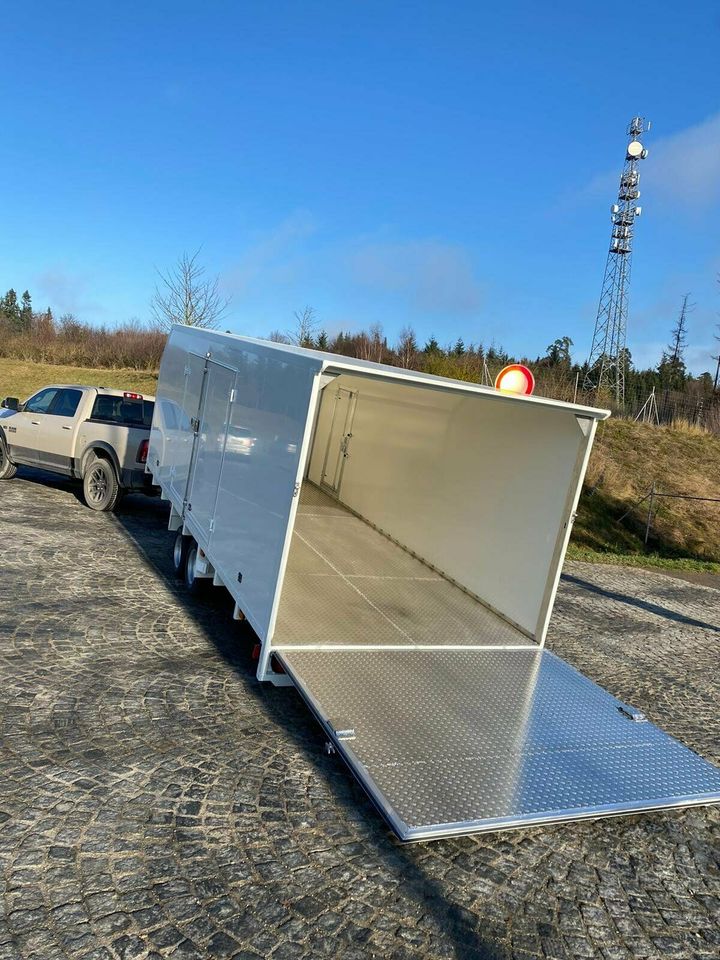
x=94 y=434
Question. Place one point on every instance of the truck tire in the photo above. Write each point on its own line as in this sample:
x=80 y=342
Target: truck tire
x=101 y=488
x=7 y=467
x=180 y=552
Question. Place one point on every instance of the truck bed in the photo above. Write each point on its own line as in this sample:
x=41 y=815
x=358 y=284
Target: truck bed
x=347 y=585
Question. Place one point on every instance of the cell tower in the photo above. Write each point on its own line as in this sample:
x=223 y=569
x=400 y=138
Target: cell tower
x=607 y=360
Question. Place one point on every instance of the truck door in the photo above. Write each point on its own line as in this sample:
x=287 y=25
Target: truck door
x=336 y=452
x=56 y=431
x=23 y=429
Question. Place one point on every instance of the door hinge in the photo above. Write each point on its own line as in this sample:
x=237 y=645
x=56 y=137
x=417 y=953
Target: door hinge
x=212 y=524
x=296 y=491
x=187 y=371
x=233 y=395
x=195 y=424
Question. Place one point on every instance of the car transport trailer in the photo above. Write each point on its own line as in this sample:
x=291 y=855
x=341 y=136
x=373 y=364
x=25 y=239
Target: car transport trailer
x=395 y=540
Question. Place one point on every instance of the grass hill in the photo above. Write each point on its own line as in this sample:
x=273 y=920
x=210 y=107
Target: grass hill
x=21 y=378
x=626 y=458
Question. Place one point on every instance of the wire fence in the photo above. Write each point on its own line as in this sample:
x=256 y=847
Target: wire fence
x=651 y=498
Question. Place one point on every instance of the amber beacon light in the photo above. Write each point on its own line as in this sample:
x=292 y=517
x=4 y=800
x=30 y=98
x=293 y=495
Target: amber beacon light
x=515 y=379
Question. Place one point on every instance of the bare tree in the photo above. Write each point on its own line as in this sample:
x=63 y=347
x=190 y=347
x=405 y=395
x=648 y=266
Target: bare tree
x=306 y=323
x=407 y=348
x=185 y=295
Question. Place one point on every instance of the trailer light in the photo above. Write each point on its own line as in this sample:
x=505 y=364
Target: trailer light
x=515 y=378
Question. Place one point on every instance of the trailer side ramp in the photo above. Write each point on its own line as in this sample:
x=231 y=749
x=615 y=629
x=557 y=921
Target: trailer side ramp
x=464 y=741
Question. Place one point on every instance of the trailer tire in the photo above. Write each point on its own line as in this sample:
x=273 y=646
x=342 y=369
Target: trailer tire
x=7 y=468
x=194 y=584
x=180 y=552
x=101 y=488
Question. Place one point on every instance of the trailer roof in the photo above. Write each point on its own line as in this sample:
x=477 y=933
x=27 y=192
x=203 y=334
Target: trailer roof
x=339 y=363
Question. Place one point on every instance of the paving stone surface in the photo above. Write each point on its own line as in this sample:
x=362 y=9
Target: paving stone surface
x=155 y=801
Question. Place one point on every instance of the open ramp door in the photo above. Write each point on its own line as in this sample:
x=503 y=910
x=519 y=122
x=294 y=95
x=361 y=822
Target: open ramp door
x=465 y=741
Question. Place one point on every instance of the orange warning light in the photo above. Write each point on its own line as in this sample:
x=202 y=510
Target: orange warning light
x=515 y=379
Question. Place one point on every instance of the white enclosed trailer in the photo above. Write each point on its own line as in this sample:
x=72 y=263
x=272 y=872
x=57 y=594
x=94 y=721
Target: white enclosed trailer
x=395 y=540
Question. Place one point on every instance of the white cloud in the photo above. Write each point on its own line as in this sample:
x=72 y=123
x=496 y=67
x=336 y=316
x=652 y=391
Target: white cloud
x=271 y=251
x=431 y=276
x=686 y=165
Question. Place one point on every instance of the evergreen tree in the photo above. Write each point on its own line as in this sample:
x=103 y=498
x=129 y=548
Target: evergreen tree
x=432 y=346
x=322 y=340
x=459 y=348
x=26 y=311
x=558 y=352
x=10 y=308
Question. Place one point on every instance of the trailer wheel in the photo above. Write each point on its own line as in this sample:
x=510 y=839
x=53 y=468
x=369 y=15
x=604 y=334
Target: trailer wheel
x=101 y=489
x=7 y=467
x=194 y=583
x=180 y=552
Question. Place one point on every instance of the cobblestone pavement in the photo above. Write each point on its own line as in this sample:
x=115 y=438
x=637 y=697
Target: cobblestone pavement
x=155 y=801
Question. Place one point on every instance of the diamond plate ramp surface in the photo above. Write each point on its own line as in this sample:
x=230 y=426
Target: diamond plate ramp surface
x=463 y=741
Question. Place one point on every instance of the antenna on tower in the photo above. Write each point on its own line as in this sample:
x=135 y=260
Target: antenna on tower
x=608 y=355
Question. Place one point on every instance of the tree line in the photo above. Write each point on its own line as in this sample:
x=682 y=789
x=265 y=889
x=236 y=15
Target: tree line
x=184 y=294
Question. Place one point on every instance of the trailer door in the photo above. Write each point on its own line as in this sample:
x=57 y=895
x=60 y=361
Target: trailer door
x=449 y=742
x=336 y=452
x=212 y=428
x=177 y=438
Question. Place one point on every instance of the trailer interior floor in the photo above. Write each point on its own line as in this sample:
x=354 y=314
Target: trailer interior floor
x=348 y=585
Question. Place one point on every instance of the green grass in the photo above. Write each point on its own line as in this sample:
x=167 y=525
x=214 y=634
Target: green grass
x=635 y=559
x=22 y=378
x=626 y=459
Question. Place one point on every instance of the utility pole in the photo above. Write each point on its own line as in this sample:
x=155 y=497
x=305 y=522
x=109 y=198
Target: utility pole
x=608 y=357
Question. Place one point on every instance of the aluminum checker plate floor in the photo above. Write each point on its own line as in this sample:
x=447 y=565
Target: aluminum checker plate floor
x=346 y=584
x=464 y=741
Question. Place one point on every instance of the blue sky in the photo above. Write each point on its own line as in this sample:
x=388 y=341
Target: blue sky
x=444 y=165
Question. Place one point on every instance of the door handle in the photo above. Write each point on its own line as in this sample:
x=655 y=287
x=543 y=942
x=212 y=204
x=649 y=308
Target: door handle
x=35 y=422
x=67 y=428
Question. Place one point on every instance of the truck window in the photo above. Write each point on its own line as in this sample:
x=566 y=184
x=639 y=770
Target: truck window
x=130 y=413
x=66 y=403
x=41 y=402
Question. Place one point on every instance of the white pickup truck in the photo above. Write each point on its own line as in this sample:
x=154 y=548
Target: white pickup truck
x=91 y=433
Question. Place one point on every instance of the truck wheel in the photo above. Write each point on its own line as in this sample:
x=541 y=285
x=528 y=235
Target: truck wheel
x=180 y=552
x=101 y=489
x=7 y=467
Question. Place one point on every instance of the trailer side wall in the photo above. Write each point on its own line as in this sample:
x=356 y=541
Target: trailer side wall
x=248 y=448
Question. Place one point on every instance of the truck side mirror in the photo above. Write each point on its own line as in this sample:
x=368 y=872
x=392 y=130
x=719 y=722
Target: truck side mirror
x=11 y=403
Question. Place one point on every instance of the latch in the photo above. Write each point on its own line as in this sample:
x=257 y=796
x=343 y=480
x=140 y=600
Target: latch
x=632 y=713
x=212 y=524
x=195 y=424
x=342 y=730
